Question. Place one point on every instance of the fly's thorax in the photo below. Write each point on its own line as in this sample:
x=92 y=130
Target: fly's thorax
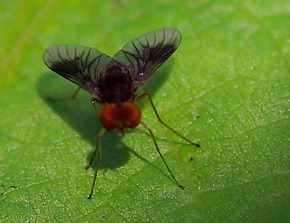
x=116 y=85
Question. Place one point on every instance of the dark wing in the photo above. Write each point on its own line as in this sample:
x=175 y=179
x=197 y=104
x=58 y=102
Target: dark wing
x=148 y=52
x=80 y=65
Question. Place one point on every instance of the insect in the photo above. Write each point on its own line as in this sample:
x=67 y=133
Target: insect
x=114 y=81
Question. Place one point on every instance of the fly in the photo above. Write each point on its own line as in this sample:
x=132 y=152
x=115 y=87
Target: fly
x=114 y=81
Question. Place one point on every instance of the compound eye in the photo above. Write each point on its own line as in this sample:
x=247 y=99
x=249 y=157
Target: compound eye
x=120 y=117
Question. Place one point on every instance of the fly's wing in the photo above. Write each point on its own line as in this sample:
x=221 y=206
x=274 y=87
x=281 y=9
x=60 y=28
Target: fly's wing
x=80 y=65
x=145 y=54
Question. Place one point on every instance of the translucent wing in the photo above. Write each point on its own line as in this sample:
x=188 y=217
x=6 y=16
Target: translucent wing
x=148 y=52
x=81 y=65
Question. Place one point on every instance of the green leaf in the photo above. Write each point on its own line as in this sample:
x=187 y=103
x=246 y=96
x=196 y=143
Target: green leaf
x=226 y=87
